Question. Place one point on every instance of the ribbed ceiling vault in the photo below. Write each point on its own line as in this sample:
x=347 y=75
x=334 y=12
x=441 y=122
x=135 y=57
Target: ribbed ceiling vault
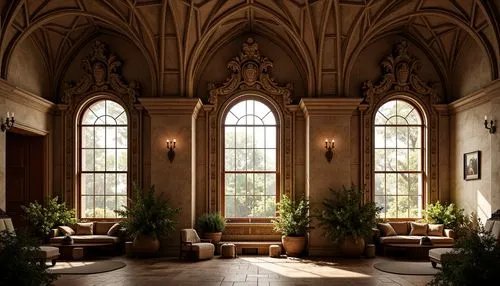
x=312 y=30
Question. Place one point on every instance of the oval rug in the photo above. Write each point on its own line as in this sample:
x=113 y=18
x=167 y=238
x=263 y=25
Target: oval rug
x=86 y=267
x=407 y=268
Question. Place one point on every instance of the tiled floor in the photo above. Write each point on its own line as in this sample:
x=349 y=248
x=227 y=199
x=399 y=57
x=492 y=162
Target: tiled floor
x=245 y=270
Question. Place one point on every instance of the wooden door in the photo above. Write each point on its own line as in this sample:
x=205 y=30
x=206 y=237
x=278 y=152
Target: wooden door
x=24 y=173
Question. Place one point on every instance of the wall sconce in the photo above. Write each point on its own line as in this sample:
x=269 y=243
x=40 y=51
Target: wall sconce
x=9 y=122
x=492 y=127
x=329 y=146
x=171 y=147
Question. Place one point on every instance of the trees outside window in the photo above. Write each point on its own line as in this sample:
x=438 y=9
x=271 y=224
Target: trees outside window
x=103 y=168
x=398 y=162
x=250 y=161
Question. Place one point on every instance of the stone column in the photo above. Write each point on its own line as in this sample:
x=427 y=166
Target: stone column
x=174 y=118
x=330 y=118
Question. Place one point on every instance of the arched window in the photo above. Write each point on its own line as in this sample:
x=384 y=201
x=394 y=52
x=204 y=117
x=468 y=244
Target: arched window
x=250 y=161
x=399 y=157
x=103 y=167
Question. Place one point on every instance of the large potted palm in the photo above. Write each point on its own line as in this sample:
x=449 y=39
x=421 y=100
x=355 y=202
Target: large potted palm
x=347 y=220
x=148 y=218
x=293 y=222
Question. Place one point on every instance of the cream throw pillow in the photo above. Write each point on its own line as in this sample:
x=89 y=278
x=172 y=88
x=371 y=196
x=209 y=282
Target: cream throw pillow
x=84 y=228
x=386 y=229
x=418 y=228
x=66 y=230
x=114 y=229
x=435 y=229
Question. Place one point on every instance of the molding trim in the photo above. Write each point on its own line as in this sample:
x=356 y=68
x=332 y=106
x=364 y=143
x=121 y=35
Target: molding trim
x=329 y=106
x=172 y=106
x=476 y=98
x=24 y=97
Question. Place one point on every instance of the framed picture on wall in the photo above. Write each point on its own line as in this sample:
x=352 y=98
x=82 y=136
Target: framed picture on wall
x=472 y=165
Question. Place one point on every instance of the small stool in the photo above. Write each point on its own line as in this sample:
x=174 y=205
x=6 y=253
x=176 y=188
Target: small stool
x=370 y=250
x=274 y=251
x=128 y=248
x=48 y=253
x=77 y=253
x=228 y=250
x=439 y=255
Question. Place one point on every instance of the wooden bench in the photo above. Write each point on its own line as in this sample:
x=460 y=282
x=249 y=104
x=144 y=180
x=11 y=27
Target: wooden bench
x=262 y=247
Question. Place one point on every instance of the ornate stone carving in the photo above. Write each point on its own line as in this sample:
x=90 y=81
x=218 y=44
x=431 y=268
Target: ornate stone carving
x=250 y=70
x=102 y=73
x=400 y=73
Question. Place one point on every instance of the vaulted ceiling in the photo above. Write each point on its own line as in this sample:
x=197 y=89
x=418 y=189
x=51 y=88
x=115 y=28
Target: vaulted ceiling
x=325 y=35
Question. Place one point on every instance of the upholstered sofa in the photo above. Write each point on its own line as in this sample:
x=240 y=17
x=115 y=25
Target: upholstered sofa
x=90 y=232
x=397 y=233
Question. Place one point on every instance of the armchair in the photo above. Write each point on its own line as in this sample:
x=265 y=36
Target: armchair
x=193 y=246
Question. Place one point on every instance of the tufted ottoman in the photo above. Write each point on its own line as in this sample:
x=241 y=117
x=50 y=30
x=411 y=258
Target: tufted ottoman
x=274 y=251
x=48 y=253
x=228 y=250
x=440 y=255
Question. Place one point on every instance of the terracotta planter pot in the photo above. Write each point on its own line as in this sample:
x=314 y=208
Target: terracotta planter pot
x=294 y=245
x=214 y=236
x=145 y=245
x=351 y=247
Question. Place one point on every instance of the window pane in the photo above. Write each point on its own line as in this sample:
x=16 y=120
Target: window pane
x=229 y=137
x=259 y=159
x=388 y=109
x=259 y=137
x=249 y=138
x=390 y=137
x=270 y=137
x=250 y=160
x=413 y=184
x=390 y=160
x=89 y=118
x=241 y=137
x=110 y=137
x=241 y=184
x=414 y=117
x=402 y=184
x=270 y=159
x=379 y=137
x=121 y=160
x=99 y=206
x=379 y=184
x=87 y=206
x=250 y=184
x=260 y=183
x=402 y=164
x=121 y=202
x=100 y=137
x=390 y=184
x=241 y=159
x=100 y=159
x=414 y=160
x=87 y=160
x=122 y=119
x=414 y=137
x=229 y=184
x=242 y=209
x=99 y=184
x=110 y=184
x=403 y=207
x=121 y=137
x=231 y=119
x=230 y=158
x=121 y=184
x=271 y=184
x=380 y=202
x=110 y=207
x=87 y=184
x=229 y=202
x=380 y=160
x=270 y=206
x=111 y=159
x=88 y=137
x=402 y=136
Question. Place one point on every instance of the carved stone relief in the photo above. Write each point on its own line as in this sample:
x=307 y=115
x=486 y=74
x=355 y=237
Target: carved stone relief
x=250 y=73
x=102 y=77
x=400 y=77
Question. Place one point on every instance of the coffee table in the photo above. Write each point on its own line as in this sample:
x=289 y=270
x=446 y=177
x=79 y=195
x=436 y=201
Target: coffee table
x=76 y=250
x=416 y=250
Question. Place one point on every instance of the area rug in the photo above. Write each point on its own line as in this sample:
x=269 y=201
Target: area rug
x=86 y=267
x=406 y=268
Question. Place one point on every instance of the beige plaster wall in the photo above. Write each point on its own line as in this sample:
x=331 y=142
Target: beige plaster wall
x=472 y=70
x=135 y=66
x=33 y=116
x=468 y=134
x=367 y=65
x=28 y=71
x=284 y=71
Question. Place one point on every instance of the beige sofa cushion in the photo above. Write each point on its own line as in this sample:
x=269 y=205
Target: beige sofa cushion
x=6 y=224
x=204 y=250
x=386 y=229
x=84 y=228
x=414 y=239
x=401 y=227
x=435 y=229
x=418 y=228
x=88 y=239
x=102 y=227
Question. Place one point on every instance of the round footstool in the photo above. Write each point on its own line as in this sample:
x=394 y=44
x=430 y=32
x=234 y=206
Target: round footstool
x=228 y=250
x=274 y=251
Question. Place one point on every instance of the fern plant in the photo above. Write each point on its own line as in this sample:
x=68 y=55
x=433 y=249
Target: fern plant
x=447 y=214
x=345 y=215
x=40 y=219
x=148 y=214
x=211 y=222
x=293 y=217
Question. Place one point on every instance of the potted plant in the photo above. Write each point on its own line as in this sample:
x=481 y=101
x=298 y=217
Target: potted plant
x=293 y=223
x=447 y=214
x=40 y=219
x=212 y=225
x=347 y=221
x=146 y=219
